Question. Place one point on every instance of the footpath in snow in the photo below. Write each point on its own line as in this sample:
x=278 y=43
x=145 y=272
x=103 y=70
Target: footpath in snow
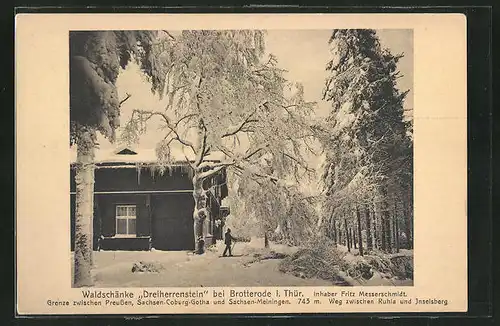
x=183 y=269
x=252 y=265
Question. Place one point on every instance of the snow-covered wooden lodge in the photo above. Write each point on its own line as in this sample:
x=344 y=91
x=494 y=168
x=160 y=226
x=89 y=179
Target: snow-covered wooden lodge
x=139 y=205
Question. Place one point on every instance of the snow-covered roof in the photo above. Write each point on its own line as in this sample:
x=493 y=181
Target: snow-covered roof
x=131 y=155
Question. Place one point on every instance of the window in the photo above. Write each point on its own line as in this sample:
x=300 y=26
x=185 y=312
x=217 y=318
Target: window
x=125 y=220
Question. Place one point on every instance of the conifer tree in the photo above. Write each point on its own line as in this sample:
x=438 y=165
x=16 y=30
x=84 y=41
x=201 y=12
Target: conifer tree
x=365 y=136
x=96 y=58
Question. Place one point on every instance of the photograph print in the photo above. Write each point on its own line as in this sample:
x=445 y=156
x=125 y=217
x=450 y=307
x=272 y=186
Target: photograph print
x=216 y=158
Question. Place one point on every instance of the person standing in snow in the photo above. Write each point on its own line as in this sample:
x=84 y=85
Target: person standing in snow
x=228 y=239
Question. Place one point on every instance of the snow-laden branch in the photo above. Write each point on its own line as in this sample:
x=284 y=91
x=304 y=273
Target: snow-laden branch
x=213 y=165
x=243 y=166
x=209 y=173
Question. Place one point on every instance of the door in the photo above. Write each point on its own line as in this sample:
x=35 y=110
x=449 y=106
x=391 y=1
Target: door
x=172 y=227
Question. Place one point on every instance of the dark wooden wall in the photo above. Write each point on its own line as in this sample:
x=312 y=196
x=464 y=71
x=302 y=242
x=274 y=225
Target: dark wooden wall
x=172 y=227
x=166 y=218
x=111 y=179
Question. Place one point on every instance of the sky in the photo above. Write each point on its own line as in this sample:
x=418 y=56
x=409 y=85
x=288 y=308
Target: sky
x=303 y=53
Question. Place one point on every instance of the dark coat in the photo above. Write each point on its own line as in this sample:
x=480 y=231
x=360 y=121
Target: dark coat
x=228 y=238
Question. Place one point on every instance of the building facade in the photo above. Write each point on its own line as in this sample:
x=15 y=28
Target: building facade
x=140 y=206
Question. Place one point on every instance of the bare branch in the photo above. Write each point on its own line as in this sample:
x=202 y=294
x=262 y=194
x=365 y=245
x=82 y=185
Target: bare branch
x=149 y=114
x=304 y=166
x=249 y=155
x=189 y=162
x=187 y=116
x=240 y=128
x=243 y=124
x=170 y=35
x=207 y=150
x=125 y=99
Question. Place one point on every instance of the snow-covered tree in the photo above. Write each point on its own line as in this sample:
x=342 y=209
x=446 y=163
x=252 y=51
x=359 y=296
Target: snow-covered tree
x=224 y=96
x=280 y=211
x=95 y=61
x=366 y=139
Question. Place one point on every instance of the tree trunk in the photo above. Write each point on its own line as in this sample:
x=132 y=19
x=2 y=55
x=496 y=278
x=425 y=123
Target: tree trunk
x=354 y=240
x=388 y=233
x=347 y=237
x=393 y=232
x=266 y=240
x=407 y=219
x=396 y=227
x=360 y=236
x=379 y=226
x=382 y=233
x=410 y=215
x=390 y=223
x=393 y=220
x=84 y=180
x=200 y=214
x=386 y=221
x=340 y=239
x=369 y=241
x=334 y=232
x=327 y=229
x=376 y=233
x=406 y=226
x=331 y=234
x=320 y=229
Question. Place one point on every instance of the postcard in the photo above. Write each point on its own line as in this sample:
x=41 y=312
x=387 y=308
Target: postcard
x=240 y=163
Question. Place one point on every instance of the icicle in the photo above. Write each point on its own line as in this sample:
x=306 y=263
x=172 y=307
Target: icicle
x=162 y=169
x=152 y=171
x=139 y=167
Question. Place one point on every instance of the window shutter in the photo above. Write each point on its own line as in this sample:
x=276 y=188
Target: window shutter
x=108 y=216
x=143 y=219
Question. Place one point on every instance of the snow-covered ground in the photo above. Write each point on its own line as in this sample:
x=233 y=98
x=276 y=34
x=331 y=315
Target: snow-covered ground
x=181 y=268
x=377 y=279
x=184 y=269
